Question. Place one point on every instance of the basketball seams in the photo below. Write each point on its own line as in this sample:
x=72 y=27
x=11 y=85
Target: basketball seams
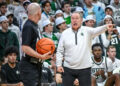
x=41 y=41
x=40 y=46
x=45 y=45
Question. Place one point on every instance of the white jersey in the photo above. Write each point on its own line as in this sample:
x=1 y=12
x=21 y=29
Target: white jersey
x=116 y=63
x=104 y=64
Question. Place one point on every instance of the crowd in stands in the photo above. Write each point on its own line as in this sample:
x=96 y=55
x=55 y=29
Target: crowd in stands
x=55 y=18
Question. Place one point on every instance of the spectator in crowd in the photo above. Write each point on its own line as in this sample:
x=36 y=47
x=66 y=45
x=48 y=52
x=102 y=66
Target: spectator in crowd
x=58 y=13
x=48 y=32
x=74 y=43
x=101 y=67
x=67 y=12
x=80 y=10
x=11 y=26
x=20 y=13
x=11 y=69
x=14 y=28
x=54 y=5
x=46 y=7
x=94 y=10
x=111 y=52
x=112 y=35
x=12 y=5
x=60 y=24
x=116 y=5
x=7 y=37
x=90 y=21
x=109 y=10
x=74 y=4
x=3 y=10
x=98 y=3
x=30 y=63
x=25 y=4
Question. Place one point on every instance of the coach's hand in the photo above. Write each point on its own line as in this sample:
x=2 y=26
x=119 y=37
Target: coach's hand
x=60 y=69
x=46 y=56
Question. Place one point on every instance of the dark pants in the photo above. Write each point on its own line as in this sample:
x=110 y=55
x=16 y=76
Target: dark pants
x=83 y=75
x=29 y=73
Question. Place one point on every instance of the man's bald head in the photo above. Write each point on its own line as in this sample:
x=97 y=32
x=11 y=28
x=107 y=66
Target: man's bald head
x=33 y=8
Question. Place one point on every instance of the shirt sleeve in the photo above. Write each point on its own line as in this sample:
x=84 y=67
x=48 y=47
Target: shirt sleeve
x=97 y=31
x=27 y=35
x=60 y=51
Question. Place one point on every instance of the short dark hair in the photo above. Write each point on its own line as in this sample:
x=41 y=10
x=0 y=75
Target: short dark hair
x=10 y=15
x=96 y=45
x=11 y=49
x=3 y=4
x=64 y=3
x=108 y=8
x=44 y=3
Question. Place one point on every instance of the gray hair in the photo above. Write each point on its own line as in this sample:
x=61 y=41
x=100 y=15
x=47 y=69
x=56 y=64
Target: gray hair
x=81 y=15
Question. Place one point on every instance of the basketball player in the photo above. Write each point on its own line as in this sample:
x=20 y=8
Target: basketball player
x=75 y=46
x=28 y=66
x=101 y=67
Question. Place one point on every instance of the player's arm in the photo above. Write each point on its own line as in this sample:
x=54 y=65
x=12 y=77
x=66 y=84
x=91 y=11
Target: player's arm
x=29 y=51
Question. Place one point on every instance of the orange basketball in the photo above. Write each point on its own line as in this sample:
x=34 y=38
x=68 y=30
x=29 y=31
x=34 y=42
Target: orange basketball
x=45 y=45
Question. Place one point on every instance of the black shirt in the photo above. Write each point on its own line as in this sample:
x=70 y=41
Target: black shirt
x=2 y=77
x=46 y=75
x=12 y=75
x=30 y=34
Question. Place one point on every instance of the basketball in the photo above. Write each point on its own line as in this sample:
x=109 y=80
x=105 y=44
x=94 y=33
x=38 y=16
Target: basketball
x=45 y=45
